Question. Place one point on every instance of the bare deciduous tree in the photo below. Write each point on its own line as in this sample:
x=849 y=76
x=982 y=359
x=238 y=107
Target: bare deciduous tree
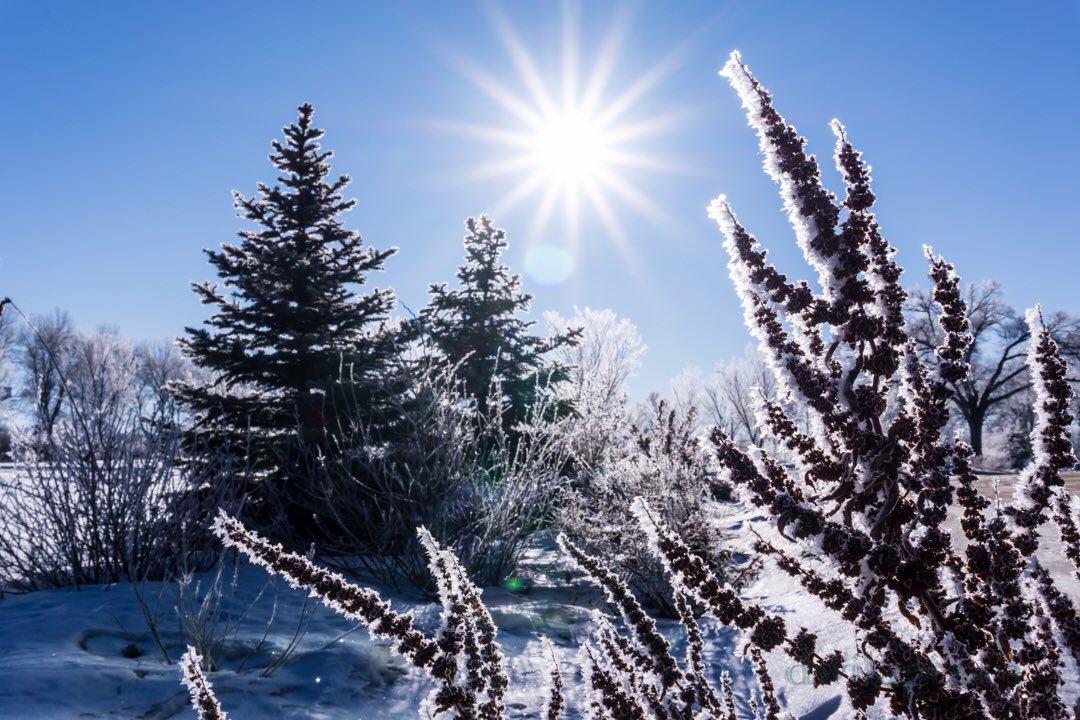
x=734 y=391
x=7 y=337
x=996 y=354
x=42 y=351
x=607 y=354
x=158 y=366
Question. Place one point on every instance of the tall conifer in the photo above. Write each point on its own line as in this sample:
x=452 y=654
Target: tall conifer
x=290 y=335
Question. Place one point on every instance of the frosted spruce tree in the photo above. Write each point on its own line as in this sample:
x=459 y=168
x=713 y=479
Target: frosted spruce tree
x=291 y=340
x=476 y=328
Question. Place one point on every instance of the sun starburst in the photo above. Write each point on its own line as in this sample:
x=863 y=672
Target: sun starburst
x=569 y=143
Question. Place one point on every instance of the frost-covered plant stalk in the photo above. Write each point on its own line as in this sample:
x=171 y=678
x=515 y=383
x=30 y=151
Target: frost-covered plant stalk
x=202 y=693
x=635 y=675
x=959 y=635
x=463 y=657
x=627 y=674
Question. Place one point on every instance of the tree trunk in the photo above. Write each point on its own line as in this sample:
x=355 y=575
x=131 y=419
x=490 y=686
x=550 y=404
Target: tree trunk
x=975 y=421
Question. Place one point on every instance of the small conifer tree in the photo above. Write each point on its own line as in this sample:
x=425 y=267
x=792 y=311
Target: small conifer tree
x=477 y=329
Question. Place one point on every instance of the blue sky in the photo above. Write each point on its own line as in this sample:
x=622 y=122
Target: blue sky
x=126 y=124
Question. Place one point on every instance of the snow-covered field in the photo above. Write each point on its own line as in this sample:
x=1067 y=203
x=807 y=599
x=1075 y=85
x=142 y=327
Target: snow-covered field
x=88 y=653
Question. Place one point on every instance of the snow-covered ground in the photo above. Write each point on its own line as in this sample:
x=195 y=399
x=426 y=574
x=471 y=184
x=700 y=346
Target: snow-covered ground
x=88 y=653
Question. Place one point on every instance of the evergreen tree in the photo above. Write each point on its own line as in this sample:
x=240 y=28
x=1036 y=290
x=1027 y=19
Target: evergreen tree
x=288 y=323
x=476 y=328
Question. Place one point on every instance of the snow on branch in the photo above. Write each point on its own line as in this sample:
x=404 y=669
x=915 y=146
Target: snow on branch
x=1050 y=440
x=553 y=706
x=650 y=643
x=801 y=366
x=877 y=526
x=464 y=657
x=861 y=228
x=1040 y=484
x=692 y=577
x=952 y=319
x=467 y=638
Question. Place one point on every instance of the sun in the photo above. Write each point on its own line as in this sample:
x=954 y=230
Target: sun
x=569 y=144
x=571 y=150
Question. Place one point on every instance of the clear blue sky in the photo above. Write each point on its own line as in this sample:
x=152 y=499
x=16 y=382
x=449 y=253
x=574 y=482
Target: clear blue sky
x=126 y=124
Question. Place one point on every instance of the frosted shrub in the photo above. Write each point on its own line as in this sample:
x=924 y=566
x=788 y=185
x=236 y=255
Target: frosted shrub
x=661 y=460
x=93 y=501
x=607 y=353
x=614 y=458
x=951 y=634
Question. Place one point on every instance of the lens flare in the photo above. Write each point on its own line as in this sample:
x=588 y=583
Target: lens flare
x=548 y=264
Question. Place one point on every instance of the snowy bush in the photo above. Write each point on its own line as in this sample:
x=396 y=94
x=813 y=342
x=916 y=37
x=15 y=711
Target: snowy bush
x=607 y=353
x=659 y=459
x=99 y=497
x=89 y=505
x=618 y=453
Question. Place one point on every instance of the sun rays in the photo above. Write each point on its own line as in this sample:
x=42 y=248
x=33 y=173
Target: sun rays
x=569 y=143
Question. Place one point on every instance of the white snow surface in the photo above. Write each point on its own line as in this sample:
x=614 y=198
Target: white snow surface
x=64 y=650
